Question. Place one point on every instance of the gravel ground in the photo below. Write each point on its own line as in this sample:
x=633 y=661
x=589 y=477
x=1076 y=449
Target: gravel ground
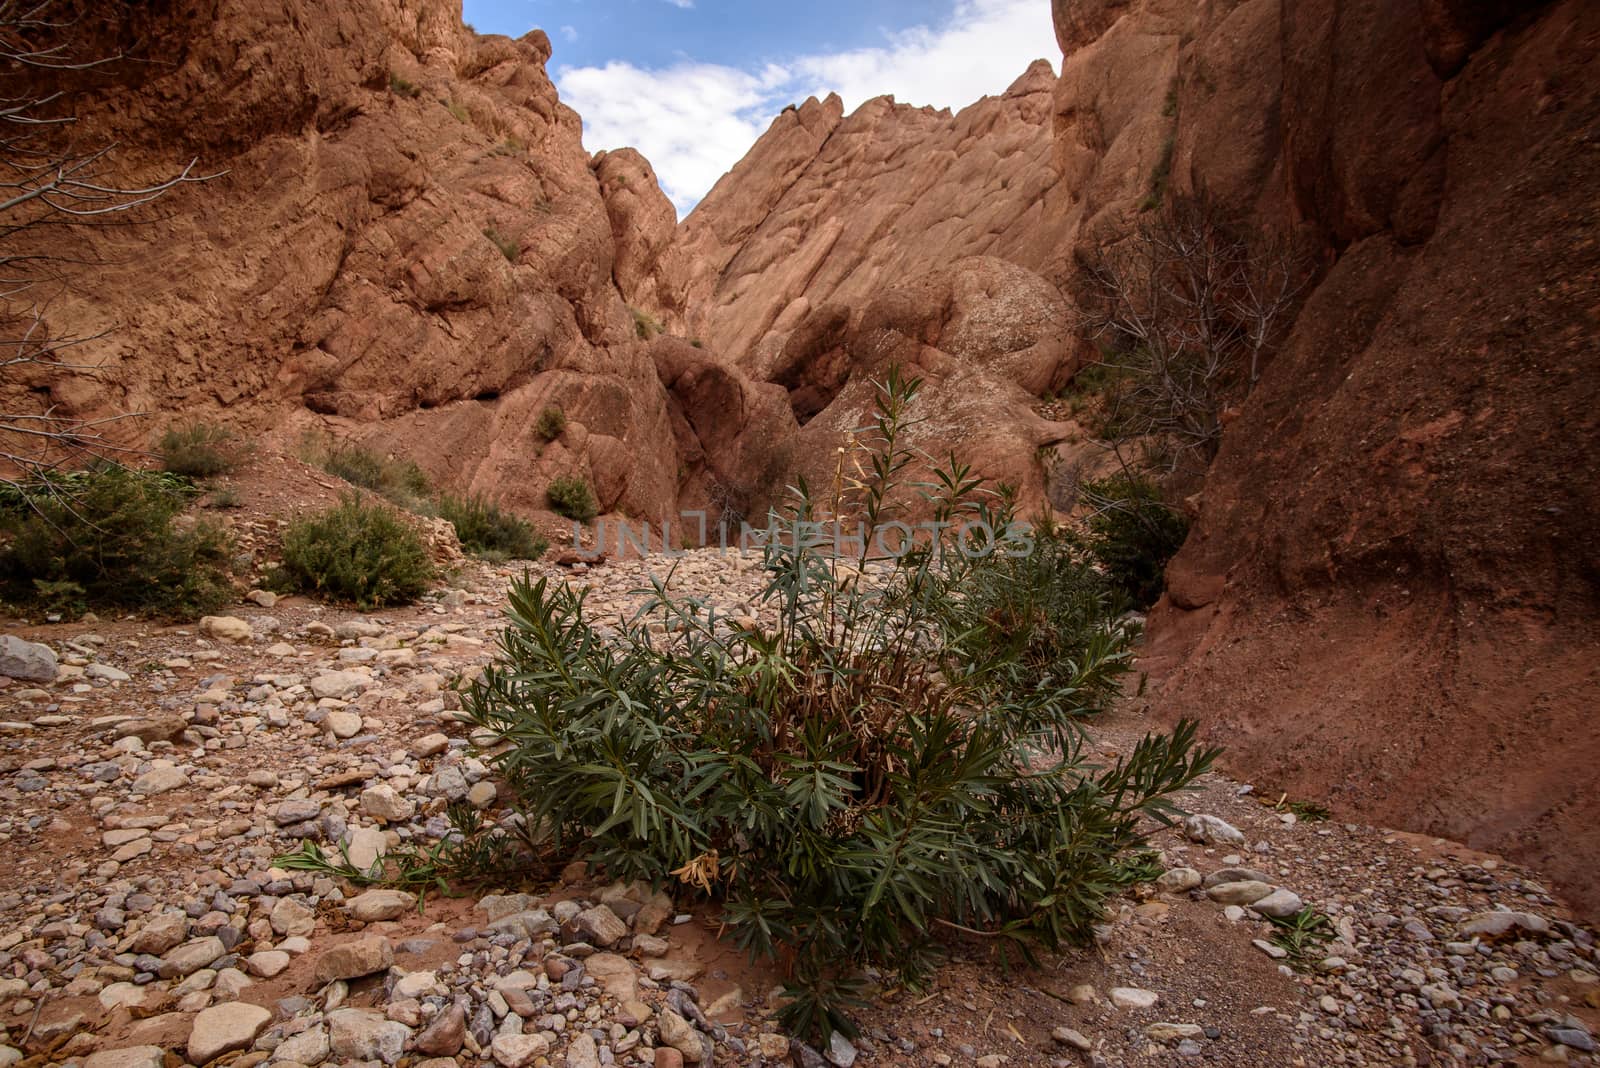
x=145 y=792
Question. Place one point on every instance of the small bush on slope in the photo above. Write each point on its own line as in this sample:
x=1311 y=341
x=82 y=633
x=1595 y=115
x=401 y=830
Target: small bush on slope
x=198 y=450
x=552 y=423
x=401 y=482
x=570 y=496
x=361 y=554
x=877 y=770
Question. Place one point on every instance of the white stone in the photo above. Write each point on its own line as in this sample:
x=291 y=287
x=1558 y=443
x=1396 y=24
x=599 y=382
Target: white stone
x=27 y=660
x=518 y=1051
x=223 y=1028
x=1212 y=830
x=226 y=628
x=339 y=683
x=384 y=802
x=1131 y=997
x=160 y=780
x=129 y=1057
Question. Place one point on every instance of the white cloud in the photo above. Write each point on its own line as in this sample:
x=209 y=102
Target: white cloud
x=685 y=4
x=569 y=32
x=694 y=121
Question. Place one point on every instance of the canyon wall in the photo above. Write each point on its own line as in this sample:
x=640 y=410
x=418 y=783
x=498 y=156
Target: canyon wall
x=1388 y=599
x=404 y=244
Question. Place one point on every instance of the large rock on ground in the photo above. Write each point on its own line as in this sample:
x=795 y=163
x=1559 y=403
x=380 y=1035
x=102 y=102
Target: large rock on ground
x=26 y=660
x=351 y=960
x=224 y=1028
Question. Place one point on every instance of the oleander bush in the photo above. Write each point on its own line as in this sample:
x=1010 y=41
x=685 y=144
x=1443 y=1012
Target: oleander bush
x=898 y=761
x=1134 y=534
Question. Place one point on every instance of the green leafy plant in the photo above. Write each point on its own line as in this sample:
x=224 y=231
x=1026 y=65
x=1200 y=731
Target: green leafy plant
x=509 y=248
x=198 y=450
x=109 y=536
x=487 y=530
x=401 y=87
x=401 y=482
x=1160 y=176
x=858 y=782
x=356 y=553
x=552 y=423
x=645 y=325
x=570 y=496
x=1305 y=811
x=1133 y=533
x=1143 y=866
x=1302 y=935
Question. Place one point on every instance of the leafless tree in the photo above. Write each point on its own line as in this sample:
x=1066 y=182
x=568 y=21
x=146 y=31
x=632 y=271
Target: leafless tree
x=49 y=181
x=1185 y=310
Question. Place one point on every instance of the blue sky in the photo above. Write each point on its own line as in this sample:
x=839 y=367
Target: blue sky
x=693 y=83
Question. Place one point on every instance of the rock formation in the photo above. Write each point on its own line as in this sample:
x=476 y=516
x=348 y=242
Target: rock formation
x=899 y=234
x=407 y=245
x=1388 y=597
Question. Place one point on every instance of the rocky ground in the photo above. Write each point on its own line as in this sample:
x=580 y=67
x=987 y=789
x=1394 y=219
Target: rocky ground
x=146 y=790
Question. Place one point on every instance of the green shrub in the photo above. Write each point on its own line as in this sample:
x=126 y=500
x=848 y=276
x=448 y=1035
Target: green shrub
x=456 y=109
x=1039 y=611
x=570 y=496
x=487 y=530
x=400 y=87
x=1160 y=176
x=399 y=481
x=854 y=782
x=645 y=325
x=1133 y=533
x=356 y=553
x=111 y=537
x=552 y=423
x=508 y=247
x=198 y=450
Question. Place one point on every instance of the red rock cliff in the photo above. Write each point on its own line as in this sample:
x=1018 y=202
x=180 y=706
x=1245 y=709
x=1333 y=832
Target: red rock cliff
x=1389 y=598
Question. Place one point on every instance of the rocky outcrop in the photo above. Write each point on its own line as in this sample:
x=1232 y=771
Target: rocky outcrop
x=405 y=244
x=901 y=234
x=1388 y=596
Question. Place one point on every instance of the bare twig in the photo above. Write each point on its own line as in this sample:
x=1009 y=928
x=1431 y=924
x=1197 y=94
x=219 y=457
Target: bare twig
x=48 y=183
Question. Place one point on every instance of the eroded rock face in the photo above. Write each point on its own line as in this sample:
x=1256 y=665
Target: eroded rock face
x=899 y=234
x=406 y=245
x=1388 y=592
